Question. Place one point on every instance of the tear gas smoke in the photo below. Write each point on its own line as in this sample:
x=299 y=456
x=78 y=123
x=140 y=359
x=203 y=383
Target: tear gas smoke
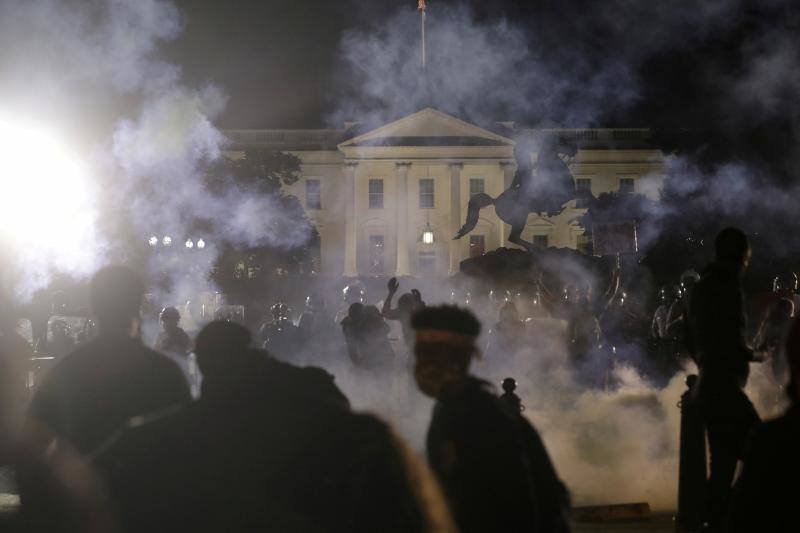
x=96 y=68
x=48 y=219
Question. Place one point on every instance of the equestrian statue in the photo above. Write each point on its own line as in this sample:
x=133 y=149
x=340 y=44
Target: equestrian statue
x=543 y=188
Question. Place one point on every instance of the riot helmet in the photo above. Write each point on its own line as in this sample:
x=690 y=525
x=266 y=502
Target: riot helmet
x=280 y=311
x=315 y=303
x=353 y=293
x=785 y=282
x=170 y=316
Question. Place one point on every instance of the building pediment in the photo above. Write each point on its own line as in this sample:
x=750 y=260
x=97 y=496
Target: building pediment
x=427 y=128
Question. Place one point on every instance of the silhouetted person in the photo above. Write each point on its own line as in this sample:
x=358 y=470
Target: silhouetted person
x=408 y=304
x=92 y=391
x=507 y=335
x=320 y=338
x=280 y=336
x=62 y=341
x=366 y=334
x=172 y=339
x=765 y=498
x=718 y=325
x=268 y=446
x=678 y=326
x=490 y=461
x=112 y=378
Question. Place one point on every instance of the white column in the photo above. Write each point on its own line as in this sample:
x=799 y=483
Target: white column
x=401 y=173
x=350 y=225
x=455 y=216
x=508 y=176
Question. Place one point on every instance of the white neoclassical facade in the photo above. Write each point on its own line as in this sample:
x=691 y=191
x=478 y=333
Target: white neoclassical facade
x=388 y=201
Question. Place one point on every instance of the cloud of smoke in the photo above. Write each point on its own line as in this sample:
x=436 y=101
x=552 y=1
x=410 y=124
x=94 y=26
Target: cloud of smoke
x=483 y=71
x=70 y=56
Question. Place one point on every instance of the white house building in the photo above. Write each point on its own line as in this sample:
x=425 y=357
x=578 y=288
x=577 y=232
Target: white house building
x=388 y=201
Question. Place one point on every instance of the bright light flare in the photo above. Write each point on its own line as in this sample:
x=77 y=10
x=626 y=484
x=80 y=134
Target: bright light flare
x=47 y=208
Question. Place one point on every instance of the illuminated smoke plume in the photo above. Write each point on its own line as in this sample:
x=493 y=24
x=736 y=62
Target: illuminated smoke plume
x=95 y=70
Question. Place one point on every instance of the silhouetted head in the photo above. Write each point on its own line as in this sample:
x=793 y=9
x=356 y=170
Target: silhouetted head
x=170 y=317
x=785 y=283
x=445 y=344
x=116 y=295
x=356 y=311
x=406 y=302
x=222 y=348
x=793 y=358
x=732 y=246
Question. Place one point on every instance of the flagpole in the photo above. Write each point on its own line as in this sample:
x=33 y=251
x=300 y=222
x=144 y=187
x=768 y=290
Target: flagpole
x=424 y=54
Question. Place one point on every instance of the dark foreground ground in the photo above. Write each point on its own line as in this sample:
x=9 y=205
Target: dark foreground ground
x=661 y=523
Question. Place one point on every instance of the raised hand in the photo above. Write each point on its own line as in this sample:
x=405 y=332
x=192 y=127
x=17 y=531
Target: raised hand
x=393 y=285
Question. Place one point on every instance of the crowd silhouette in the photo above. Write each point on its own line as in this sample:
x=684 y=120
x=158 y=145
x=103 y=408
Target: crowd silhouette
x=112 y=438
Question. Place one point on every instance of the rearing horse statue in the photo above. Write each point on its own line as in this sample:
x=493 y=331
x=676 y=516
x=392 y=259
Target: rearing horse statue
x=543 y=188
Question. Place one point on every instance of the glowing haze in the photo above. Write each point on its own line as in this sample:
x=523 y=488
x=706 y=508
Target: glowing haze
x=48 y=218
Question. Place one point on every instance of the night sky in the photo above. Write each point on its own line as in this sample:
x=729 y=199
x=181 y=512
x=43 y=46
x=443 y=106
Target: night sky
x=279 y=61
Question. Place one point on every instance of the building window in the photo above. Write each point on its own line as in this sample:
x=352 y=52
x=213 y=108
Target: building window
x=477 y=245
x=426 y=263
x=626 y=185
x=541 y=241
x=376 y=254
x=376 y=194
x=426 y=199
x=583 y=186
x=313 y=194
x=476 y=186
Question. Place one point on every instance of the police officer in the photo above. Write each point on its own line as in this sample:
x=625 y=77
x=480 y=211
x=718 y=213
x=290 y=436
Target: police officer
x=280 y=337
x=678 y=316
x=172 y=339
x=351 y=294
x=507 y=335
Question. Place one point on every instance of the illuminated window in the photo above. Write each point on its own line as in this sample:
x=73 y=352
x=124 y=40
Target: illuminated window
x=626 y=185
x=426 y=193
x=313 y=194
x=376 y=254
x=426 y=263
x=376 y=194
x=476 y=186
x=477 y=245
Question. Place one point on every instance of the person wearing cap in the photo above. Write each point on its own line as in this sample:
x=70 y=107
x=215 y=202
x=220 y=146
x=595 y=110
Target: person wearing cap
x=765 y=498
x=172 y=339
x=490 y=461
x=718 y=328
